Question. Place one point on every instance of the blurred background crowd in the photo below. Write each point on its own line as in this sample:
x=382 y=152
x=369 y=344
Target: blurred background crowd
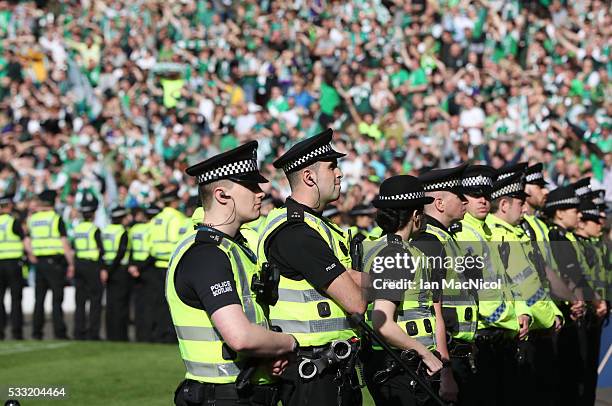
x=117 y=98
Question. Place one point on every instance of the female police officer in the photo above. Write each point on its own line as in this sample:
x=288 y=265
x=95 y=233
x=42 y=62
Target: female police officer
x=403 y=317
x=221 y=328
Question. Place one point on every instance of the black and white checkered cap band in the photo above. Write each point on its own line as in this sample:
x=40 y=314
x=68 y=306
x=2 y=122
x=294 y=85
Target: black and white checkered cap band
x=593 y=212
x=505 y=175
x=534 y=176
x=477 y=181
x=447 y=184
x=569 y=200
x=404 y=196
x=234 y=168
x=581 y=191
x=322 y=150
x=506 y=190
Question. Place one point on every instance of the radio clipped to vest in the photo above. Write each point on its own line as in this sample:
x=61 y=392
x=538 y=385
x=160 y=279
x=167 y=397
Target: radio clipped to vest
x=265 y=285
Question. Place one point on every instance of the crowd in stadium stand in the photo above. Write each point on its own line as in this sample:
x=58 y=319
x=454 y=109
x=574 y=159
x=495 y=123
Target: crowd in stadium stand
x=117 y=98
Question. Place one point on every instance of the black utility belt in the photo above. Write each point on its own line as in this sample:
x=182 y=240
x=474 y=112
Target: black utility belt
x=494 y=336
x=198 y=392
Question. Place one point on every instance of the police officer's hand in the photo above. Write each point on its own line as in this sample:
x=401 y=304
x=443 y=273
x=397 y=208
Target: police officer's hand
x=601 y=308
x=133 y=270
x=558 y=324
x=103 y=276
x=279 y=364
x=432 y=362
x=577 y=309
x=449 y=390
x=70 y=272
x=32 y=259
x=523 y=321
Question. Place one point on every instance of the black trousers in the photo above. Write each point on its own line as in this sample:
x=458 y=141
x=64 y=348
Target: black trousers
x=397 y=390
x=12 y=279
x=496 y=374
x=544 y=371
x=88 y=288
x=322 y=390
x=466 y=381
x=163 y=329
x=50 y=274
x=143 y=304
x=593 y=327
x=118 y=290
x=571 y=344
x=193 y=393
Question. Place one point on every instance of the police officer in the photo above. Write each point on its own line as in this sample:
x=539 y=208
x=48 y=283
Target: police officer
x=140 y=269
x=89 y=264
x=458 y=319
x=187 y=225
x=561 y=210
x=363 y=222
x=14 y=243
x=538 y=317
x=316 y=291
x=223 y=333
x=403 y=317
x=474 y=236
x=589 y=228
x=334 y=214
x=165 y=229
x=54 y=261
x=118 y=280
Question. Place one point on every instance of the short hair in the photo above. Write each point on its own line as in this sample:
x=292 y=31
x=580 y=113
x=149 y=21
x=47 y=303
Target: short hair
x=495 y=204
x=206 y=191
x=294 y=177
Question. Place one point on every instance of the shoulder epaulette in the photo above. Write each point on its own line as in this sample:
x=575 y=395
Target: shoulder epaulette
x=295 y=212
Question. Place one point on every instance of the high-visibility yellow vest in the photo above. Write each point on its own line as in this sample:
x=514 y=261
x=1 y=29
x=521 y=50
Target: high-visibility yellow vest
x=602 y=267
x=11 y=246
x=44 y=232
x=458 y=299
x=495 y=307
x=297 y=311
x=413 y=315
x=530 y=296
x=140 y=241
x=164 y=235
x=85 y=246
x=186 y=228
x=541 y=231
x=111 y=237
x=200 y=344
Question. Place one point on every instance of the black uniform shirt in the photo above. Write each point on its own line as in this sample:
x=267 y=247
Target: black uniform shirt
x=301 y=253
x=204 y=279
x=567 y=259
x=432 y=247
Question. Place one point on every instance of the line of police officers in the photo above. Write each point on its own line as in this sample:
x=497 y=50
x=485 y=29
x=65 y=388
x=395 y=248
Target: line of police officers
x=128 y=258
x=261 y=307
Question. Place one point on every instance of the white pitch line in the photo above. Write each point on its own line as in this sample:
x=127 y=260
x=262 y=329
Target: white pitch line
x=28 y=348
x=604 y=361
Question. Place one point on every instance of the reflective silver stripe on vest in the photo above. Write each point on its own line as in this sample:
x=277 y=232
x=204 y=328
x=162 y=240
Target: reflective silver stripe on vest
x=546 y=246
x=211 y=370
x=313 y=326
x=467 y=326
x=195 y=333
x=374 y=251
x=524 y=274
x=413 y=315
x=247 y=299
x=178 y=249
x=320 y=222
x=300 y=296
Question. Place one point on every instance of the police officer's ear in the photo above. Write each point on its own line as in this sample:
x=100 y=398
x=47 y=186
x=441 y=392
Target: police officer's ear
x=308 y=178
x=439 y=203
x=221 y=196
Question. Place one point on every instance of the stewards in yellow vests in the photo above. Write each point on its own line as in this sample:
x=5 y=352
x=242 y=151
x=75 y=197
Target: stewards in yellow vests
x=187 y=225
x=165 y=229
x=561 y=209
x=14 y=245
x=536 y=314
x=89 y=265
x=118 y=280
x=495 y=306
x=223 y=334
x=317 y=289
x=140 y=268
x=403 y=317
x=456 y=309
x=54 y=262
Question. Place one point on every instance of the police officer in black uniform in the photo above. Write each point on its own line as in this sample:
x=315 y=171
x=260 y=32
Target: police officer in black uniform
x=561 y=209
x=207 y=286
x=314 y=177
